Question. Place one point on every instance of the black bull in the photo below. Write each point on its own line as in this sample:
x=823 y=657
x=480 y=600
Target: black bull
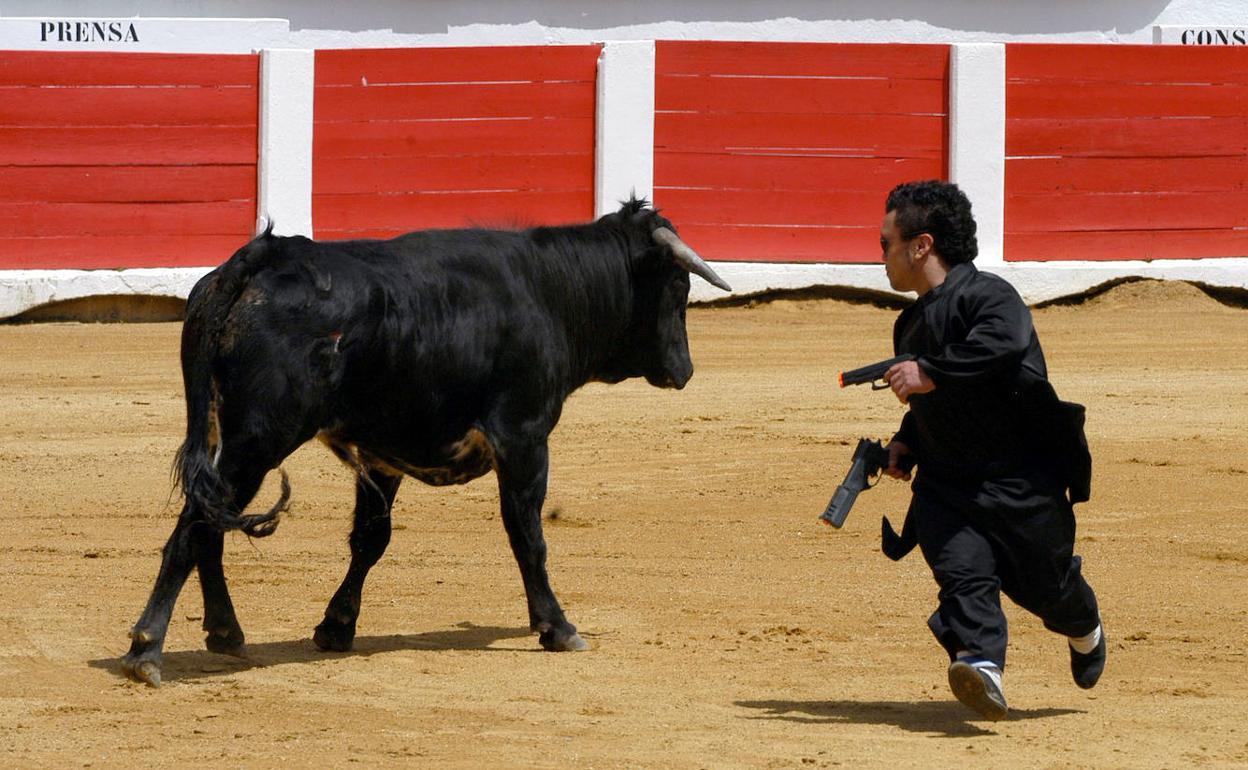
x=440 y=355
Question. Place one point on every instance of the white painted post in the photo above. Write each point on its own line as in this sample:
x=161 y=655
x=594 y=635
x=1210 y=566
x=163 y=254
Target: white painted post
x=284 y=194
x=624 y=135
x=977 y=140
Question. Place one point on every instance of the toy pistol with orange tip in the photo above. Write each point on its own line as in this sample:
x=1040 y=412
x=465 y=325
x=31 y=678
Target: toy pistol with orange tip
x=871 y=373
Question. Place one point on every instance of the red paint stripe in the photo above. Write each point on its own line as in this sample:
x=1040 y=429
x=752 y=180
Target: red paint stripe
x=117 y=252
x=145 y=106
x=128 y=146
x=764 y=58
x=1095 y=175
x=70 y=68
x=32 y=220
x=1136 y=244
x=456 y=65
x=753 y=207
x=742 y=243
x=1054 y=99
x=469 y=100
x=126 y=160
x=126 y=184
x=1126 y=63
x=481 y=172
x=754 y=139
x=1121 y=169
x=793 y=172
x=891 y=136
x=456 y=138
x=1126 y=211
x=825 y=95
x=1124 y=137
x=359 y=216
x=379 y=150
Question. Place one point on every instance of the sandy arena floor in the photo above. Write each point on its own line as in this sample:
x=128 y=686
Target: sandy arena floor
x=729 y=628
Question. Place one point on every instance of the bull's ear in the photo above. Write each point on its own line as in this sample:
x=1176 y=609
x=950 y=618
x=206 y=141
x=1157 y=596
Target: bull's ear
x=688 y=258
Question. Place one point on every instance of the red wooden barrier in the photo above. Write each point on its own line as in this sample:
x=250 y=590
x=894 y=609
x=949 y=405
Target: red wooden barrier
x=1126 y=152
x=443 y=137
x=112 y=160
x=784 y=152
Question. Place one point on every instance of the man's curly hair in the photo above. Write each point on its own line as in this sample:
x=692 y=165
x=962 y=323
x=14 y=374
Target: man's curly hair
x=939 y=209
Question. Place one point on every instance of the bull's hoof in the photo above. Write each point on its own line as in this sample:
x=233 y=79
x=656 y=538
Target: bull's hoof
x=553 y=641
x=142 y=662
x=334 y=637
x=141 y=669
x=225 y=642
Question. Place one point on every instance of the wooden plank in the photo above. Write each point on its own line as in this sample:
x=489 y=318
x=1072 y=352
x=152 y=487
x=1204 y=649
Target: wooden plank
x=467 y=100
x=751 y=207
x=888 y=136
x=349 y=215
x=880 y=95
x=357 y=66
x=32 y=220
x=117 y=252
x=745 y=243
x=1125 y=211
x=453 y=137
x=743 y=171
x=1126 y=63
x=113 y=106
x=77 y=68
x=126 y=184
x=1094 y=175
x=128 y=146
x=480 y=172
x=1123 y=137
x=1056 y=99
x=674 y=57
x=1142 y=243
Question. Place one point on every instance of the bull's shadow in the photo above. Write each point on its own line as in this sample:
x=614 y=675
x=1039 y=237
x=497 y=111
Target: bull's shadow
x=948 y=719
x=188 y=665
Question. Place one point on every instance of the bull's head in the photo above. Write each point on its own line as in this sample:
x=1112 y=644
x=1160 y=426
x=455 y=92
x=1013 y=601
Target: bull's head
x=658 y=348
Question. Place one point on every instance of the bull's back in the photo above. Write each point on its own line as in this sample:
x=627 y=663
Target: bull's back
x=404 y=337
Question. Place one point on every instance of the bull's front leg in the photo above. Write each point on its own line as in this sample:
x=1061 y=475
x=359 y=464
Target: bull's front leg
x=522 y=490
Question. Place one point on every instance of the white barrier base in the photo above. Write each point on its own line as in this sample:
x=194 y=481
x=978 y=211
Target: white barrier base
x=22 y=290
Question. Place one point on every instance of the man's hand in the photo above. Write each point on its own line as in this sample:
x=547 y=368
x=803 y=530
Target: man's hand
x=908 y=378
x=896 y=450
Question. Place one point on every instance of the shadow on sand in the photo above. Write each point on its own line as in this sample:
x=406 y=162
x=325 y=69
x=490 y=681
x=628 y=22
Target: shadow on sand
x=943 y=718
x=186 y=665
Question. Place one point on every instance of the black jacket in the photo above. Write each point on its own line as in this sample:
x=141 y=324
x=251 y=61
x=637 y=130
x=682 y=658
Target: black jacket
x=993 y=413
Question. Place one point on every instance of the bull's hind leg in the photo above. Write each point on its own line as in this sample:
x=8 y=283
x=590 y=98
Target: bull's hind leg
x=522 y=473
x=147 y=638
x=370 y=534
x=220 y=622
x=194 y=542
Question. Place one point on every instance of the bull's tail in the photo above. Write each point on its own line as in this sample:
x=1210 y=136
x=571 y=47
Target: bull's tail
x=195 y=465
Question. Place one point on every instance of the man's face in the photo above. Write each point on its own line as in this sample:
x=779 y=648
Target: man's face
x=897 y=262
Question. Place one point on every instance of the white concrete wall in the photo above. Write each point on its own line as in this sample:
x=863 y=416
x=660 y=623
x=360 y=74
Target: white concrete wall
x=331 y=23
x=624 y=139
x=624 y=161
x=284 y=176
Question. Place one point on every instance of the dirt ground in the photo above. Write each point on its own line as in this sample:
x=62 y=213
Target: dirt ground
x=728 y=627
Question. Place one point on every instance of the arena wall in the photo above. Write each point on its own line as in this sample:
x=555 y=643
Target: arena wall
x=1086 y=163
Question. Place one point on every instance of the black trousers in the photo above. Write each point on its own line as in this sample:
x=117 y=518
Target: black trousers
x=1010 y=535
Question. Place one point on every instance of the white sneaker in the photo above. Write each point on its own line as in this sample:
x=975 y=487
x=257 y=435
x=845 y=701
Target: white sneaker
x=979 y=687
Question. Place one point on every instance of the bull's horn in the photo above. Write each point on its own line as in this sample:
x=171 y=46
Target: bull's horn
x=688 y=258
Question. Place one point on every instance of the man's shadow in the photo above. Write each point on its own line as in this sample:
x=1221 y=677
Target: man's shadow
x=949 y=719
x=189 y=665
